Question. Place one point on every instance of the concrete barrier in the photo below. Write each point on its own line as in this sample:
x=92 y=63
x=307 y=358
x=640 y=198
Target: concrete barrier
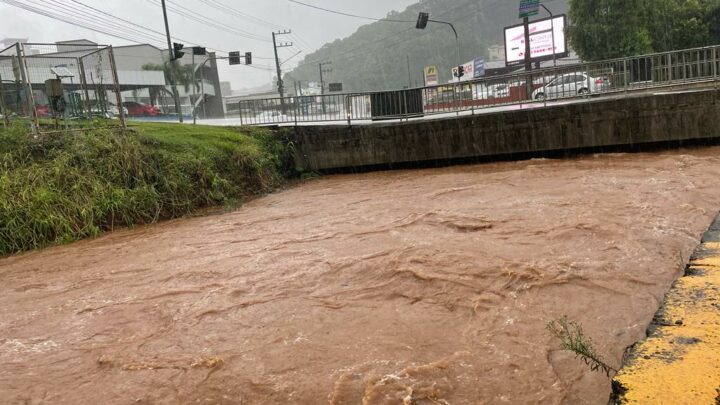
x=679 y=362
x=633 y=120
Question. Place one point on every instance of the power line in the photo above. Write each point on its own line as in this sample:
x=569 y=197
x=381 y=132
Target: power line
x=237 y=13
x=349 y=14
x=104 y=25
x=106 y=22
x=73 y=21
x=195 y=16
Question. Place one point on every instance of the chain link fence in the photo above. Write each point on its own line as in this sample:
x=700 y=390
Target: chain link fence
x=59 y=86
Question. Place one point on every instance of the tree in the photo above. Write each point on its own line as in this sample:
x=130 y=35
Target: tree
x=679 y=24
x=183 y=75
x=607 y=29
x=713 y=20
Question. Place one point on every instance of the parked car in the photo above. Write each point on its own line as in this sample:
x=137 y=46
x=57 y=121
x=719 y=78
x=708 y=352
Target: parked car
x=271 y=117
x=571 y=84
x=43 y=110
x=110 y=111
x=141 y=110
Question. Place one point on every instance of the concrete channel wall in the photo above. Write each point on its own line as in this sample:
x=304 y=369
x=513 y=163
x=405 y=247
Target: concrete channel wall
x=633 y=120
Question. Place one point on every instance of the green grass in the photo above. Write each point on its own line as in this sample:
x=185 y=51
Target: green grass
x=62 y=187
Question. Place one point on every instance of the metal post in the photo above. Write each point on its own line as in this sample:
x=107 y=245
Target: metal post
x=715 y=63
x=171 y=57
x=552 y=25
x=202 y=90
x=240 y=111
x=625 y=75
x=409 y=75
x=29 y=97
x=528 y=63
x=83 y=83
x=194 y=85
x=3 y=109
x=116 y=84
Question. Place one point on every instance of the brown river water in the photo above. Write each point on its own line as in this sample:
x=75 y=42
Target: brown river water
x=409 y=287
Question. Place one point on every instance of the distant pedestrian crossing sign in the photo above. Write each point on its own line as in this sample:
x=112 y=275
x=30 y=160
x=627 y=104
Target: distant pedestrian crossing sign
x=529 y=8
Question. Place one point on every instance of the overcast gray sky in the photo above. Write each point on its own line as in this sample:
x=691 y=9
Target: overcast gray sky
x=311 y=28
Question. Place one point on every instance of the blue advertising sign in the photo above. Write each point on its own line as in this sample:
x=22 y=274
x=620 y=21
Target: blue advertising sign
x=479 y=70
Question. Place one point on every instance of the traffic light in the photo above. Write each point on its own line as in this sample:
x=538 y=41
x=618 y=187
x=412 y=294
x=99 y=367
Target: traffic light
x=422 y=21
x=234 y=58
x=461 y=71
x=177 y=51
x=248 y=58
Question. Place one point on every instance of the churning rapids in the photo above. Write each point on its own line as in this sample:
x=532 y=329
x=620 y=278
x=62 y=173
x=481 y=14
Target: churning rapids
x=413 y=287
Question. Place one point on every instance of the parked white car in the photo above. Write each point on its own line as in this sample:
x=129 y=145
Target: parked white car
x=267 y=117
x=570 y=85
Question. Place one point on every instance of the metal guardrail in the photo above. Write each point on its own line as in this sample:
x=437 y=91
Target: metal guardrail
x=622 y=75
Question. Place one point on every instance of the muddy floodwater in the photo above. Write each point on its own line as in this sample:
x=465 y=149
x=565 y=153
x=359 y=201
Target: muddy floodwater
x=410 y=287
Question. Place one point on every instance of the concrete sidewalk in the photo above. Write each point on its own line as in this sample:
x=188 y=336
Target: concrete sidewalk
x=679 y=362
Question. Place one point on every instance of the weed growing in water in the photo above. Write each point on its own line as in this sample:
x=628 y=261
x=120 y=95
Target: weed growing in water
x=573 y=339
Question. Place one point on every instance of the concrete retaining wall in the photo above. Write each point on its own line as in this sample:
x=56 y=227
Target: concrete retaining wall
x=638 y=119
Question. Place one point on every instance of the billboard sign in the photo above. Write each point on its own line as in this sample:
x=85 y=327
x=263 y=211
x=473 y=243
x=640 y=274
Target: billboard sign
x=541 y=41
x=479 y=68
x=473 y=69
x=431 y=76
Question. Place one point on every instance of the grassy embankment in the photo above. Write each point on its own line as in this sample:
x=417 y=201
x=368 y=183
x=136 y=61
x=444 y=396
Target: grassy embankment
x=65 y=187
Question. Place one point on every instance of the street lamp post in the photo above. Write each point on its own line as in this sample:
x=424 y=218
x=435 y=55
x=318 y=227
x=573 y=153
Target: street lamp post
x=552 y=28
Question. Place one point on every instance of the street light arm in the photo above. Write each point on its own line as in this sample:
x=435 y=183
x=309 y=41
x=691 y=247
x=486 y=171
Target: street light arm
x=546 y=9
x=451 y=26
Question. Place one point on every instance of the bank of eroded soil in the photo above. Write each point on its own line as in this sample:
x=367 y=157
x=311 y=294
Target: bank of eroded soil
x=432 y=286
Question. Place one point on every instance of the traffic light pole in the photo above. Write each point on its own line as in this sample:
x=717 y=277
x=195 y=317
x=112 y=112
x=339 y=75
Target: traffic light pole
x=171 y=51
x=214 y=57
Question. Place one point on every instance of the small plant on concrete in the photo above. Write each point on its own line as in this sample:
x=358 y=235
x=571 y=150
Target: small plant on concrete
x=681 y=262
x=572 y=338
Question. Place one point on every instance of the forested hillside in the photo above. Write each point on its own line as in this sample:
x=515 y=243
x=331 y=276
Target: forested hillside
x=375 y=57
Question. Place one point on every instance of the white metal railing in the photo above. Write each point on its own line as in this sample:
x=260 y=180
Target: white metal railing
x=623 y=75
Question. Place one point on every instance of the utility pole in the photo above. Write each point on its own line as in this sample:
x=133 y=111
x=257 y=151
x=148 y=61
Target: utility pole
x=171 y=51
x=322 y=82
x=281 y=88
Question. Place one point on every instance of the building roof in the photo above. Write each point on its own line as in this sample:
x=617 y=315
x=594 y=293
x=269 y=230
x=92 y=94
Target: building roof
x=137 y=46
x=76 y=42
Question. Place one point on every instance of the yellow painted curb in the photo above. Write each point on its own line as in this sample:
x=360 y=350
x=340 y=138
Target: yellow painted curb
x=679 y=362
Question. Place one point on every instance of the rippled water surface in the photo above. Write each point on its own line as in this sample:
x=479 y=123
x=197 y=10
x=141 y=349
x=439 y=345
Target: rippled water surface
x=429 y=287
